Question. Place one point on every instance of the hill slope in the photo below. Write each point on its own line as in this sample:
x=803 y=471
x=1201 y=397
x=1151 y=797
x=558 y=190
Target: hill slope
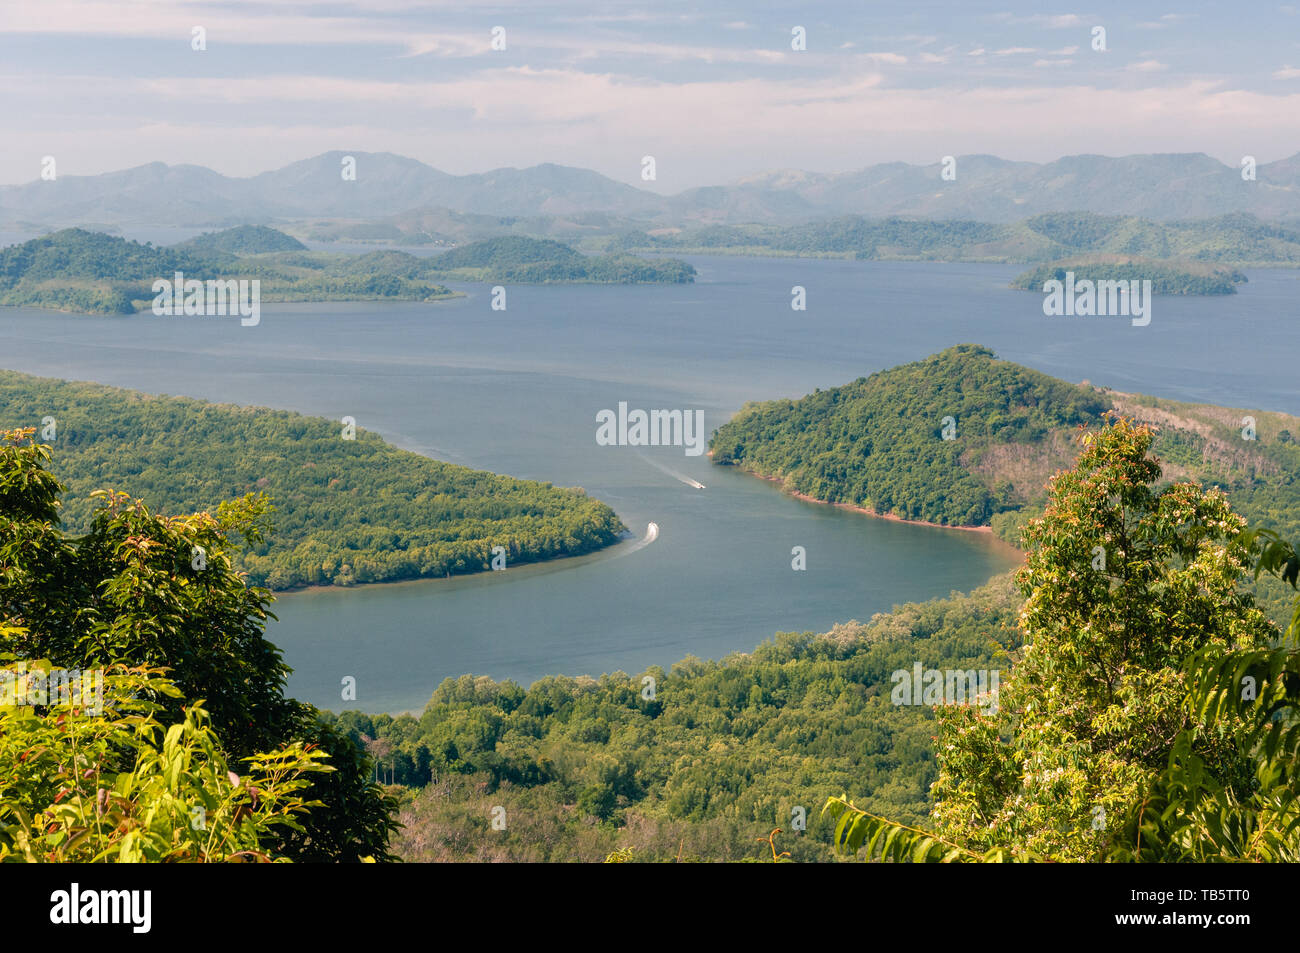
x=78 y=270
x=706 y=769
x=242 y=240
x=532 y=260
x=878 y=442
x=1238 y=239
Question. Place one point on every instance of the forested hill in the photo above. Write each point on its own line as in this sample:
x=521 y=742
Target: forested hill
x=879 y=442
x=347 y=510
x=94 y=273
x=242 y=240
x=1238 y=239
x=533 y=260
x=723 y=752
x=1167 y=278
x=79 y=270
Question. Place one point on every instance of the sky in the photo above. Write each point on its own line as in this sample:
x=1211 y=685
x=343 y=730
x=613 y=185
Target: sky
x=714 y=91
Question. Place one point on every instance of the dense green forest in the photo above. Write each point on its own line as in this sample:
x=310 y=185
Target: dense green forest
x=879 y=442
x=78 y=270
x=346 y=510
x=143 y=715
x=242 y=240
x=1238 y=239
x=1167 y=278
x=724 y=751
x=1151 y=715
x=1119 y=732
x=532 y=260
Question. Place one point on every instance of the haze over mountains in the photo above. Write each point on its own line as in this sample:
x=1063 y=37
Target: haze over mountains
x=986 y=188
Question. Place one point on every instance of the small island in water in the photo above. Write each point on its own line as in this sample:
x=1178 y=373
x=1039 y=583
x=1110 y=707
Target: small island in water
x=95 y=273
x=1166 y=277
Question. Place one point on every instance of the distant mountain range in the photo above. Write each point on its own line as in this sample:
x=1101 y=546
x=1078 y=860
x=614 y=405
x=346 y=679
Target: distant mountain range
x=986 y=189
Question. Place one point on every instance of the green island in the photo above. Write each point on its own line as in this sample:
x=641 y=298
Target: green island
x=1167 y=278
x=241 y=240
x=540 y=261
x=878 y=444
x=346 y=511
x=1239 y=239
x=90 y=272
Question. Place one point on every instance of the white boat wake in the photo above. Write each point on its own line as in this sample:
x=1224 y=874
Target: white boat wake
x=673 y=473
x=651 y=534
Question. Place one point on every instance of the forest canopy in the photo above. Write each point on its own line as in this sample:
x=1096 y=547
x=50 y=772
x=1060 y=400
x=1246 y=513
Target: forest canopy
x=346 y=510
x=879 y=443
x=1237 y=239
x=532 y=260
x=80 y=270
x=1167 y=278
x=184 y=747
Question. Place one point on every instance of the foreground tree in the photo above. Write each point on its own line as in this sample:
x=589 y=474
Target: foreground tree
x=108 y=782
x=1125 y=730
x=140 y=589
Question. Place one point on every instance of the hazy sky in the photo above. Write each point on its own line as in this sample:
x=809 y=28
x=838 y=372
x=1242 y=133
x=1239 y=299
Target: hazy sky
x=712 y=90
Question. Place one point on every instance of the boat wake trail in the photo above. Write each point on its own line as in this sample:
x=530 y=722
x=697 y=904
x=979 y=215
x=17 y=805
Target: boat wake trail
x=673 y=473
x=651 y=534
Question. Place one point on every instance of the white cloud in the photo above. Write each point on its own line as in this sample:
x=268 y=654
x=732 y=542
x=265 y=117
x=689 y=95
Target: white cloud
x=151 y=19
x=917 y=39
x=589 y=97
x=705 y=131
x=1053 y=21
x=1165 y=20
